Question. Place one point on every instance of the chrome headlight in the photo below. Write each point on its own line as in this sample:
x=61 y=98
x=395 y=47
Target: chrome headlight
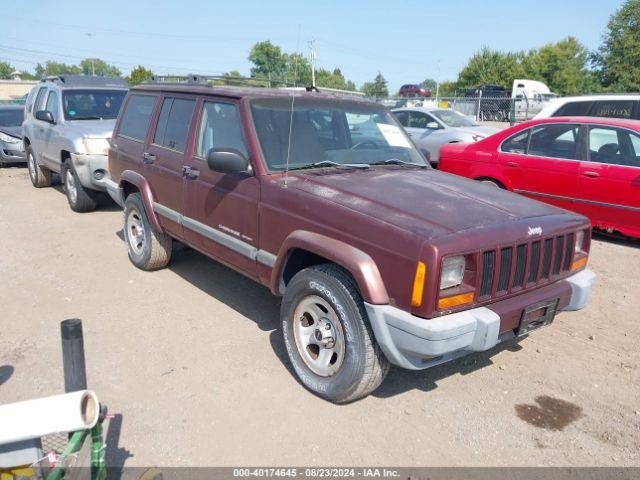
x=452 y=272
x=96 y=146
x=8 y=138
x=578 y=247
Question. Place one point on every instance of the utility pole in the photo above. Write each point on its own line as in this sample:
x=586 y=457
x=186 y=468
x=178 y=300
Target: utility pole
x=438 y=84
x=312 y=57
x=93 y=67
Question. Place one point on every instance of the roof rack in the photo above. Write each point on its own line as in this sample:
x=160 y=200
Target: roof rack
x=86 y=81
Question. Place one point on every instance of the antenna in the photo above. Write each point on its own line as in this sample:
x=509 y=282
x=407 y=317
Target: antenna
x=293 y=100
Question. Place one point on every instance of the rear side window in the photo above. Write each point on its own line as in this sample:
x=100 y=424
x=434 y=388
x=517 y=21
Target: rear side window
x=612 y=109
x=31 y=99
x=403 y=118
x=554 y=141
x=220 y=128
x=173 y=124
x=573 y=109
x=615 y=146
x=516 y=143
x=137 y=116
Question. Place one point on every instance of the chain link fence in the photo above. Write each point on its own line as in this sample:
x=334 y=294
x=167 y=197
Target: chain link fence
x=481 y=108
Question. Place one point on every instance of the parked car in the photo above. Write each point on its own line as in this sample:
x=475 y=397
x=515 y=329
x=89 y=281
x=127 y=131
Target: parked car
x=68 y=123
x=414 y=90
x=608 y=106
x=588 y=165
x=430 y=128
x=379 y=258
x=11 y=148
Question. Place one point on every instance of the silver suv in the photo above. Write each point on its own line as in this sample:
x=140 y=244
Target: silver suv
x=68 y=123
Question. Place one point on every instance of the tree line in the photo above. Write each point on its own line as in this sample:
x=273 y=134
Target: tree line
x=566 y=66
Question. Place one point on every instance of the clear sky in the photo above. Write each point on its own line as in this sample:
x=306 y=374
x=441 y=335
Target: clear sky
x=407 y=41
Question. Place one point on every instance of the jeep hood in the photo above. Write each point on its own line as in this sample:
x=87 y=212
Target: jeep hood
x=428 y=203
x=93 y=128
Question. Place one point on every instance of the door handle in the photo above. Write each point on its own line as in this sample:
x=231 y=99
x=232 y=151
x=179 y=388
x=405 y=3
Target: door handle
x=148 y=158
x=512 y=164
x=591 y=174
x=190 y=173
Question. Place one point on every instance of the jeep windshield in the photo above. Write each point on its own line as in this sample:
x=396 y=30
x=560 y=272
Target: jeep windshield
x=92 y=104
x=330 y=133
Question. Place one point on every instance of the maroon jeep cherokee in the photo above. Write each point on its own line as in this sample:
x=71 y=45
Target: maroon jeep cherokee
x=324 y=199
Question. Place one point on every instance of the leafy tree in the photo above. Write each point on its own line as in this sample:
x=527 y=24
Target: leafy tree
x=139 y=75
x=377 y=88
x=563 y=66
x=429 y=84
x=5 y=70
x=491 y=66
x=448 y=89
x=297 y=70
x=56 y=68
x=268 y=60
x=618 y=58
x=95 y=66
x=335 y=79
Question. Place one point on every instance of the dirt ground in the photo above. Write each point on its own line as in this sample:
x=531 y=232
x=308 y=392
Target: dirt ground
x=191 y=360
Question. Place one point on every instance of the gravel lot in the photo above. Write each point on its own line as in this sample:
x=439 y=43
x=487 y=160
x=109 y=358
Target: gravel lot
x=191 y=360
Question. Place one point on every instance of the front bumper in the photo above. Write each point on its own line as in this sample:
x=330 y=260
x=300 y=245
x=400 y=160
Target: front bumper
x=416 y=343
x=92 y=170
x=12 y=153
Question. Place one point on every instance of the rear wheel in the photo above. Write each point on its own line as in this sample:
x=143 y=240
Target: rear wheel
x=491 y=183
x=328 y=337
x=80 y=199
x=40 y=176
x=148 y=249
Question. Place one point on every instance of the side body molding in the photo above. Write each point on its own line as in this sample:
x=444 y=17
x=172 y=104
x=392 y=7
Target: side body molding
x=145 y=191
x=359 y=264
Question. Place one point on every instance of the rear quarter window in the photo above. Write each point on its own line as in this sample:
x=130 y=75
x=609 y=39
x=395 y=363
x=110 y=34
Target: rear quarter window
x=612 y=109
x=137 y=116
x=573 y=109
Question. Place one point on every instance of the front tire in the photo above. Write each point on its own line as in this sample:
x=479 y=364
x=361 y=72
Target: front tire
x=40 y=176
x=80 y=199
x=328 y=337
x=148 y=249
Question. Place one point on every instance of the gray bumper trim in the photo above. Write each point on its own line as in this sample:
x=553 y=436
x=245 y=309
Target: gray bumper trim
x=416 y=343
x=581 y=284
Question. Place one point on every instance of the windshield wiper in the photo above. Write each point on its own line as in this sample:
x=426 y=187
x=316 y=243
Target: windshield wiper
x=397 y=161
x=329 y=163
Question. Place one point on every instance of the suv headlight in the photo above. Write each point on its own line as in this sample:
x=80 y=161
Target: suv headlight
x=8 y=138
x=452 y=272
x=96 y=146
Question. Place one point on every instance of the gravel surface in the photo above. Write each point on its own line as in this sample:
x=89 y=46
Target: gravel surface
x=191 y=360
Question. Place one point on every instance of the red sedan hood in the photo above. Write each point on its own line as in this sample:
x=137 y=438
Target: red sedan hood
x=428 y=203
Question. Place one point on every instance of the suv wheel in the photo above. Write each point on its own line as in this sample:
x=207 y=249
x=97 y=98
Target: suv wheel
x=40 y=176
x=327 y=335
x=148 y=249
x=80 y=199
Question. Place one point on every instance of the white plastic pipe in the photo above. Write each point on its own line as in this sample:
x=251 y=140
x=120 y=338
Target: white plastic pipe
x=44 y=416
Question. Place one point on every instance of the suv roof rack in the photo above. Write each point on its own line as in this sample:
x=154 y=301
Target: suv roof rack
x=86 y=81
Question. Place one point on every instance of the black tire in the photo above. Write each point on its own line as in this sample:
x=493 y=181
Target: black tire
x=364 y=366
x=153 y=250
x=40 y=176
x=80 y=199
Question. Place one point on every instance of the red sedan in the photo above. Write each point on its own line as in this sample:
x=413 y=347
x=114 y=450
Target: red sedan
x=588 y=165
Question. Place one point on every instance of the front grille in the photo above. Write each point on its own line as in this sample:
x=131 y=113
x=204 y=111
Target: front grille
x=488 y=259
x=534 y=261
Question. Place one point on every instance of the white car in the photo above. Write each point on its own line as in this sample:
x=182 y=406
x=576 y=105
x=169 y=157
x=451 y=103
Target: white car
x=430 y=128
x=609 y=106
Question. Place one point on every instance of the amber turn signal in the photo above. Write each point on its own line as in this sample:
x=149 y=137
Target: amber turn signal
x=579 y=263
x=418 y=285
x=454 y=301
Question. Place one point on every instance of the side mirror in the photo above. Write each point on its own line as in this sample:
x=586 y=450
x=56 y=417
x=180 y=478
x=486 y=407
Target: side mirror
x=45 y=116
x=433 y=125
x=227 y=160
